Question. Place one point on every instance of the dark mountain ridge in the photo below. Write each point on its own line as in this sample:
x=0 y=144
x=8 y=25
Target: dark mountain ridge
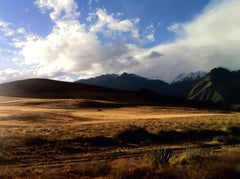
x=127 y=82
x=179 y=88
x=220 y=85
x=51 y=89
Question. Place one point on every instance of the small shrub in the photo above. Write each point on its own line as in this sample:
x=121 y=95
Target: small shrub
x=159 y=157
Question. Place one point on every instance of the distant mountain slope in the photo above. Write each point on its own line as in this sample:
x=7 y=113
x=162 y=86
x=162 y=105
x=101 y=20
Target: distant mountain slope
x=128 y=82
x=184 y=83
x=219 y=86
x=180 y=87
x=189 y=76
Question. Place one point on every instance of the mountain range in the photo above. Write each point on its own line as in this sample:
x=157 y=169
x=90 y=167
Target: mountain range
x=51 y=89
x=220 y=85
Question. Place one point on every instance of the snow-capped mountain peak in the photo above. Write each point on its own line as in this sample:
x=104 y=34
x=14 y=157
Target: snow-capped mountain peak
x=189 y=76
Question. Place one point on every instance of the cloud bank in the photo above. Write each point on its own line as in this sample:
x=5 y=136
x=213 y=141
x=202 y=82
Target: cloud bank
x=75 y=49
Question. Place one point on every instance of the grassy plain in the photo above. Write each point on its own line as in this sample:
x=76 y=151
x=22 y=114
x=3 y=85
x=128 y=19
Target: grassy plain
x=78 y=138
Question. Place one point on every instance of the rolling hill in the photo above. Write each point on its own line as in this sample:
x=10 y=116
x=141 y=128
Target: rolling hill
x=44 y=88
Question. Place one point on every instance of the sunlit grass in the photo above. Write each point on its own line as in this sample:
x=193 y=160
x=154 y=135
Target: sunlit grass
x=50 y=130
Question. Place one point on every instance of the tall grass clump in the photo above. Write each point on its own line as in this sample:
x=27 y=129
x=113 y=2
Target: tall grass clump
x=159 y=157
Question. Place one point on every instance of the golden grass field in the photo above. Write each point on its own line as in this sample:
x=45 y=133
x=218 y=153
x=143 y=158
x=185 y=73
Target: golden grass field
x=76 y=138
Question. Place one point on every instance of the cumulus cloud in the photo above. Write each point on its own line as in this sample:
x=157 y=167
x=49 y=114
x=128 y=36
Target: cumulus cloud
x=70 y=49
x=108 y=22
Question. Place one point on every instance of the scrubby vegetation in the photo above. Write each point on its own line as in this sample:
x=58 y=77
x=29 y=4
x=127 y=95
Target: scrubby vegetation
x=190 y=164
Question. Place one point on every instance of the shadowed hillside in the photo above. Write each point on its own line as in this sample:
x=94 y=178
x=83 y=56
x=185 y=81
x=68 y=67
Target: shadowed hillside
x=219 y=86
x=44 y=88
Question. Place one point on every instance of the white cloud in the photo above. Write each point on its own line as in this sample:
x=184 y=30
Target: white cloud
x=149 y=33
x=21 y=30
x=13 y=74
x=90 y=2
x=4 y=27
x=174 y=27
x=150 y=37
x=4 y=24
x=71 y=50
x=210 y=40
x=106 y=21
x=8 y=31
x=68 y=7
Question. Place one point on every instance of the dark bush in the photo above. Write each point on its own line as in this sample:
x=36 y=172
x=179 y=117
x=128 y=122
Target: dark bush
x=35 y=140
x=71 y=149
x=133 y=135
x=228 y=139
x=186 y=136
x=98 y=141
x=234 y=130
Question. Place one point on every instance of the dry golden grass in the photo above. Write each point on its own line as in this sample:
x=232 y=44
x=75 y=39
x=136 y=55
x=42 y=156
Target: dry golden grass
x=60 y=133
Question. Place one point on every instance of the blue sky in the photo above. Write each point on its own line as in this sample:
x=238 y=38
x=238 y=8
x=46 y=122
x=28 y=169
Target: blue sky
x=70 y=39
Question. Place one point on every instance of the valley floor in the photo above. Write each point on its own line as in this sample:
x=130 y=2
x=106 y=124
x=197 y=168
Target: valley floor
x=59 y=137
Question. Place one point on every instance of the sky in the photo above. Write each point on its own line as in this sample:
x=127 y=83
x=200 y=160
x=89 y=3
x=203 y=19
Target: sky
x=75 y=39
